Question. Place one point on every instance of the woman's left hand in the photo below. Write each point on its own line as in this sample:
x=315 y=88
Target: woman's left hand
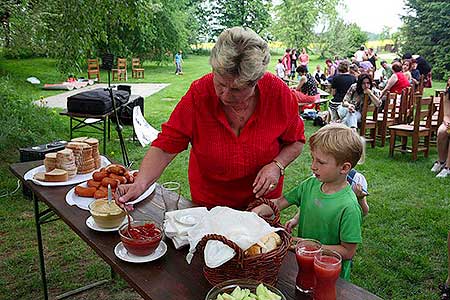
x=266 y=180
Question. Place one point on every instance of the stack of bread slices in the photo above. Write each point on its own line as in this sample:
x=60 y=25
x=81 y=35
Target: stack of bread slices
x=50 y=161
x=65 y=160
x=83 y=156
x=95 y=153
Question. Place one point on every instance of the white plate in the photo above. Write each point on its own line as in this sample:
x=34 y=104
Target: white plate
x=83 y=202
x=74 y=180
x=189 y=220
x=123 y=254
x=92 y=225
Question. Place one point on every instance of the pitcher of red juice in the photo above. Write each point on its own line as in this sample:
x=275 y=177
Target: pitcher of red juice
x=305 y=251
x=327 y=267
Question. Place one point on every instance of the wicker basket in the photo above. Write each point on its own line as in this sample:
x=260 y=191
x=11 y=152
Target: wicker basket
x=262 y=267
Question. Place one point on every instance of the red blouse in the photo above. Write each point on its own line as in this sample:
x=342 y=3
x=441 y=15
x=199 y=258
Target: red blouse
x=402 y=82
x=223 y=166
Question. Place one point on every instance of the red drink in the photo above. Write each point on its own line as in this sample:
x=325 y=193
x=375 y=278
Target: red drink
x=327 y=267
x=305 y=251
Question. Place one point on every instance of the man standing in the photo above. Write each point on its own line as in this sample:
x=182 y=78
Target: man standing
x=178 y=63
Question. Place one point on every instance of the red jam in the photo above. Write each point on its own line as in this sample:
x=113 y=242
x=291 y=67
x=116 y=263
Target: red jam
x=141 y=240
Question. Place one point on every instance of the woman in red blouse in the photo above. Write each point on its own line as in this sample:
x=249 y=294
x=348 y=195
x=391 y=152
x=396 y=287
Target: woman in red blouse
x=242 y=123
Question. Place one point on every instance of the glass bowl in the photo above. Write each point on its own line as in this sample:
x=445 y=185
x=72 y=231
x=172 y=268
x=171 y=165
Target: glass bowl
x=142 y=238
x=106 y=215
x=229 y=285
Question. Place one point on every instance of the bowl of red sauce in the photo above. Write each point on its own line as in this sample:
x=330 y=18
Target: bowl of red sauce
x=141 y=238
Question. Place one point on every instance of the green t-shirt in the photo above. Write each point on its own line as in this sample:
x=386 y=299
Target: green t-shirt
x=330 y=219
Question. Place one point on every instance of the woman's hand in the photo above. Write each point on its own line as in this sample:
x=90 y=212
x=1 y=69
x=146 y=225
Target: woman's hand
x=126 y=193
x=266 y=180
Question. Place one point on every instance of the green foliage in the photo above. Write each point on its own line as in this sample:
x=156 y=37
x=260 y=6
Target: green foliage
x=351 y=37
x=253 y=14
x=23 y=123
x=295 y=20
x=426 y=30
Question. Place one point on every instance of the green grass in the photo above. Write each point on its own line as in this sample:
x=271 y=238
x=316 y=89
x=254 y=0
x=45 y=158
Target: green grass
x=403 y=255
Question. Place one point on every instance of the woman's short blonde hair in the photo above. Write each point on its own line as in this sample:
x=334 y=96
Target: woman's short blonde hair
x=241 y=53
x=339 y=141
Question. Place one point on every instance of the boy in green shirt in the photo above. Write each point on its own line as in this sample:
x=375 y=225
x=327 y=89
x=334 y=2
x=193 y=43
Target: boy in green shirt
x=330 y=212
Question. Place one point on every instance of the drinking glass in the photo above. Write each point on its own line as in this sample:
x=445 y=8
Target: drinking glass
x=327 y=267
x=170 y=192
x=305 y=251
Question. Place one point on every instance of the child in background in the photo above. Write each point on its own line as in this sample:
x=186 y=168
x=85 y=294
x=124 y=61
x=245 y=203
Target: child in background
x=330 y=212
x=280 y=70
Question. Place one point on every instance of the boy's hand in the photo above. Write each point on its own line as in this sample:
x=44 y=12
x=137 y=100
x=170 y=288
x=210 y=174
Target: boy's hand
x=263 y=210
x=358 y=190
x=291 y=224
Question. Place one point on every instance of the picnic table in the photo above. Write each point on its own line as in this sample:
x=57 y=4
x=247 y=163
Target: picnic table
x=167 y=278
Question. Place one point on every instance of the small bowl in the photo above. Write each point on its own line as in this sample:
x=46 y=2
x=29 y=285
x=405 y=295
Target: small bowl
x=106 y=215
x=229 y=285
x=139 y=242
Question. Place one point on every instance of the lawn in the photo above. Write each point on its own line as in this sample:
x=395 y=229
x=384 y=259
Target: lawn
x=403 y=255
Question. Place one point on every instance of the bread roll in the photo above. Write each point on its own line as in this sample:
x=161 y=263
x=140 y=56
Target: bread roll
x=253 y=250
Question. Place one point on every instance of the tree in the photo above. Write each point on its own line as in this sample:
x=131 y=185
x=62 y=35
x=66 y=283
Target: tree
x=426 y=33
x=295 y=20
x=253 y=14
x=351 y=37
x=72 y=30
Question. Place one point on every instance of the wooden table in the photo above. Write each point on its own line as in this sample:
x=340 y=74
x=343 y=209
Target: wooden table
x=168 y=278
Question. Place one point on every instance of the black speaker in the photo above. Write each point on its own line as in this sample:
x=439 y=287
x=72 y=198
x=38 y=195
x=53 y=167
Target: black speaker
x=107 y=61
x=125 y=112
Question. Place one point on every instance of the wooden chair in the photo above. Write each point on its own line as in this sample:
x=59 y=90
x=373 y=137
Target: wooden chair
x=388 y=117
x=136 y=69
x=419 y=89
x=422 y=111
x=369 y=117
x=93 y=69
x=437 y=116
x=121 y=71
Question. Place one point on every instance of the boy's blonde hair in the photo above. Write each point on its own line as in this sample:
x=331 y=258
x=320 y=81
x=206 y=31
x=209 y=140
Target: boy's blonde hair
x=339 y=141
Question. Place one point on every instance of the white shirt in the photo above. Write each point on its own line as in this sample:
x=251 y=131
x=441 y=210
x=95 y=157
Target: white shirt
x=279 y=69
x=359 y=55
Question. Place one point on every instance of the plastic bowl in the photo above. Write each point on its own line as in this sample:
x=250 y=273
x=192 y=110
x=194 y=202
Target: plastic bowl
x=229 y=285
x=106 y=215
x=141 y=240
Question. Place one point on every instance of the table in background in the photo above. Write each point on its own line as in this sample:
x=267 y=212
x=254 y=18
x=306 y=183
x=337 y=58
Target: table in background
x=97 y=122
x=167 y=278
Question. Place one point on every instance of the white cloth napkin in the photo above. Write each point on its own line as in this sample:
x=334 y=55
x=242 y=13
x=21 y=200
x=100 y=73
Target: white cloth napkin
x=178 y=231
x=243 y=228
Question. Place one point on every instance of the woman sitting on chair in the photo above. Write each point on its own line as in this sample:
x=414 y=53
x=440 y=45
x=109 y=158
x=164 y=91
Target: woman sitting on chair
x=306 y=90
x=351 y=108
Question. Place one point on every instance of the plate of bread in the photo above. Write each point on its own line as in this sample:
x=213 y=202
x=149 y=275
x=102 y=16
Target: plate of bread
x=72 y=165
x=96 y=187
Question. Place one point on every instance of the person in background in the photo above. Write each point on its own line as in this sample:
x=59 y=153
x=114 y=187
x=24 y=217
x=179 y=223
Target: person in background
x=372 y=57
x=304 y=58
x=339 y=87
x=329 y=209
x=242 y=124
x=360 y=54
x=442 y=166
x=354 y=70
x=330 y=70
x=306 y=90
x=397 y=82
x=406 y=69
x=279 y=70
x=415 y=74
x=178 y=63
x=286 y=61
x=293 y=63
x=386 y=73
x=319 y=76
x=351 y=108
x=366 y=66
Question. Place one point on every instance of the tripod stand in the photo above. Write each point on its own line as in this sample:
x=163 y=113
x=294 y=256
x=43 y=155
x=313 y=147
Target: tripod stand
x=107 y=64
